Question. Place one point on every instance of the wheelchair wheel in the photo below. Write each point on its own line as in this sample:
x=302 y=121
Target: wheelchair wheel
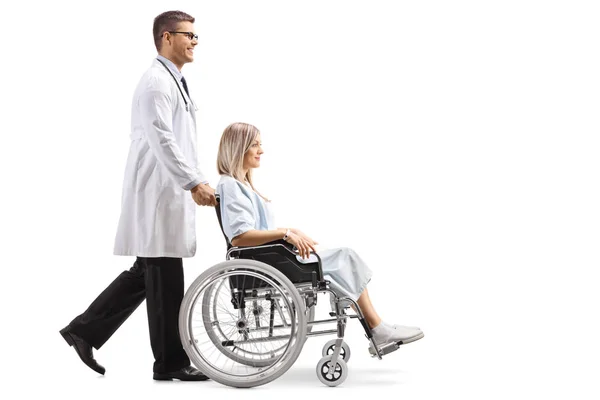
x=219 y=324
x=337 y=376
x=329 y=348
x=242 y=323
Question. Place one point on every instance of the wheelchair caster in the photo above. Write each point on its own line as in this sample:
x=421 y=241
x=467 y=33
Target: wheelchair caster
x=329 y=348
x=332 y=376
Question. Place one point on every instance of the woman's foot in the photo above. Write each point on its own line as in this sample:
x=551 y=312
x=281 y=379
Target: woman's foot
x=386 y=334
x=401 y=326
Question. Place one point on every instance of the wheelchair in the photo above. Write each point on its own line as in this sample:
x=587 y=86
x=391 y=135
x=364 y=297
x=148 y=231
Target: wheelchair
x=244 y=321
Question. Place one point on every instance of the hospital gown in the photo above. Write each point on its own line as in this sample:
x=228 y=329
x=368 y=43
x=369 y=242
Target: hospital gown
x=242 y=209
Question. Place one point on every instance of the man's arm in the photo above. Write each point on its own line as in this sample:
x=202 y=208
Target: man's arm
x=156 y=117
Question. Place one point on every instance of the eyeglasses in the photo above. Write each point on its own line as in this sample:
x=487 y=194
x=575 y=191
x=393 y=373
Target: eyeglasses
x=190 y=35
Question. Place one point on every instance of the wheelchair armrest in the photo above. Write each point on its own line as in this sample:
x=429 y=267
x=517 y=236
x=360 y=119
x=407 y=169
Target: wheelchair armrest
x=281 y=247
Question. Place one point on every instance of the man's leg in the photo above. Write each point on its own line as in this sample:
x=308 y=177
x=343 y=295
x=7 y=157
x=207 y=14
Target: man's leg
x=164 y=293
x=111 y=308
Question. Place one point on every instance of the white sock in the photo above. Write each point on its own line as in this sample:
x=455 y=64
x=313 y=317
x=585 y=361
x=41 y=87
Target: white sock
x=381 y=331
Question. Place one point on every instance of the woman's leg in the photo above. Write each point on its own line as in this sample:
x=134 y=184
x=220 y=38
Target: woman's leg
x=371 y=316
x=348 y=273
x=382 y=332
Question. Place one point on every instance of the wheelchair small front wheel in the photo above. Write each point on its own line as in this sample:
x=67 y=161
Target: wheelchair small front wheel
x=329 y=348
x=332 y=376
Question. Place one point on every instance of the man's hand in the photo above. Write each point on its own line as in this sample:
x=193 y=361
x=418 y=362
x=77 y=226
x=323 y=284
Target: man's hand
x=204 y=195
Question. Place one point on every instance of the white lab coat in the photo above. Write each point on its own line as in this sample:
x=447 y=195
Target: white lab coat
x=157 y=210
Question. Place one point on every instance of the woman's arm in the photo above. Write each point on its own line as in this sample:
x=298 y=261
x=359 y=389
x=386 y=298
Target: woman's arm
x=256 y=237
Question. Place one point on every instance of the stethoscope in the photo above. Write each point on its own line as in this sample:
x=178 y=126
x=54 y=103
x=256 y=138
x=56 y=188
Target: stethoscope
x=179 y=87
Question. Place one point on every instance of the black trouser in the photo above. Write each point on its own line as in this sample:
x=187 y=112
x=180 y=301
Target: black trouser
x=160 y=282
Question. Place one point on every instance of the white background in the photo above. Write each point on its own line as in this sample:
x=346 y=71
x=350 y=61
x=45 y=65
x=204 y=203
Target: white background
x=453 y=144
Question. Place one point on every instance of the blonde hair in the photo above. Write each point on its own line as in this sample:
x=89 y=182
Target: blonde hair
x=235 y=142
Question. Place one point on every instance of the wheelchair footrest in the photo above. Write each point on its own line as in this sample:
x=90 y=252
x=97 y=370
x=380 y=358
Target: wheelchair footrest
x=383 y=350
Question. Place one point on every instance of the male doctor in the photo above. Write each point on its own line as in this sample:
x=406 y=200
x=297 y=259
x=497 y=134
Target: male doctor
x=161 y=188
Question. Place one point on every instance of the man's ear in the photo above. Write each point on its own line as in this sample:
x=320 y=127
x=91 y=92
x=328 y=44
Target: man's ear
x=167 y=36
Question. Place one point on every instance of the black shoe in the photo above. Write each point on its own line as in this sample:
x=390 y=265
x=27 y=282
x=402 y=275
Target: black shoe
x=83 y=349
x=184 y=374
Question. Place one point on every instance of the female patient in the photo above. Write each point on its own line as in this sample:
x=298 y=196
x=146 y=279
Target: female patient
x=248 y=221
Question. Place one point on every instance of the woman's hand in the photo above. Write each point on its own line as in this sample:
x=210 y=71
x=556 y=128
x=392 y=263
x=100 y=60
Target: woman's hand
x=303 y=243
x=303 y=235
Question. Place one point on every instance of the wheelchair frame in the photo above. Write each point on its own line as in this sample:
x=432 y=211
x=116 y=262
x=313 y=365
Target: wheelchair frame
x=331 y=369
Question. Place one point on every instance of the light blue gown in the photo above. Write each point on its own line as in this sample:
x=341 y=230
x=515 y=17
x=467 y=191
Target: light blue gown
x=242 y=210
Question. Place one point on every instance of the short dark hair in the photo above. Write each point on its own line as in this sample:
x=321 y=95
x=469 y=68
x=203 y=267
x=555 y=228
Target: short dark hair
x=168 y=21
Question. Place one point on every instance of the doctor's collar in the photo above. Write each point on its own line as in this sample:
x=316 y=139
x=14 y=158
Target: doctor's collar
x=167 y=64
x=171 y=65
